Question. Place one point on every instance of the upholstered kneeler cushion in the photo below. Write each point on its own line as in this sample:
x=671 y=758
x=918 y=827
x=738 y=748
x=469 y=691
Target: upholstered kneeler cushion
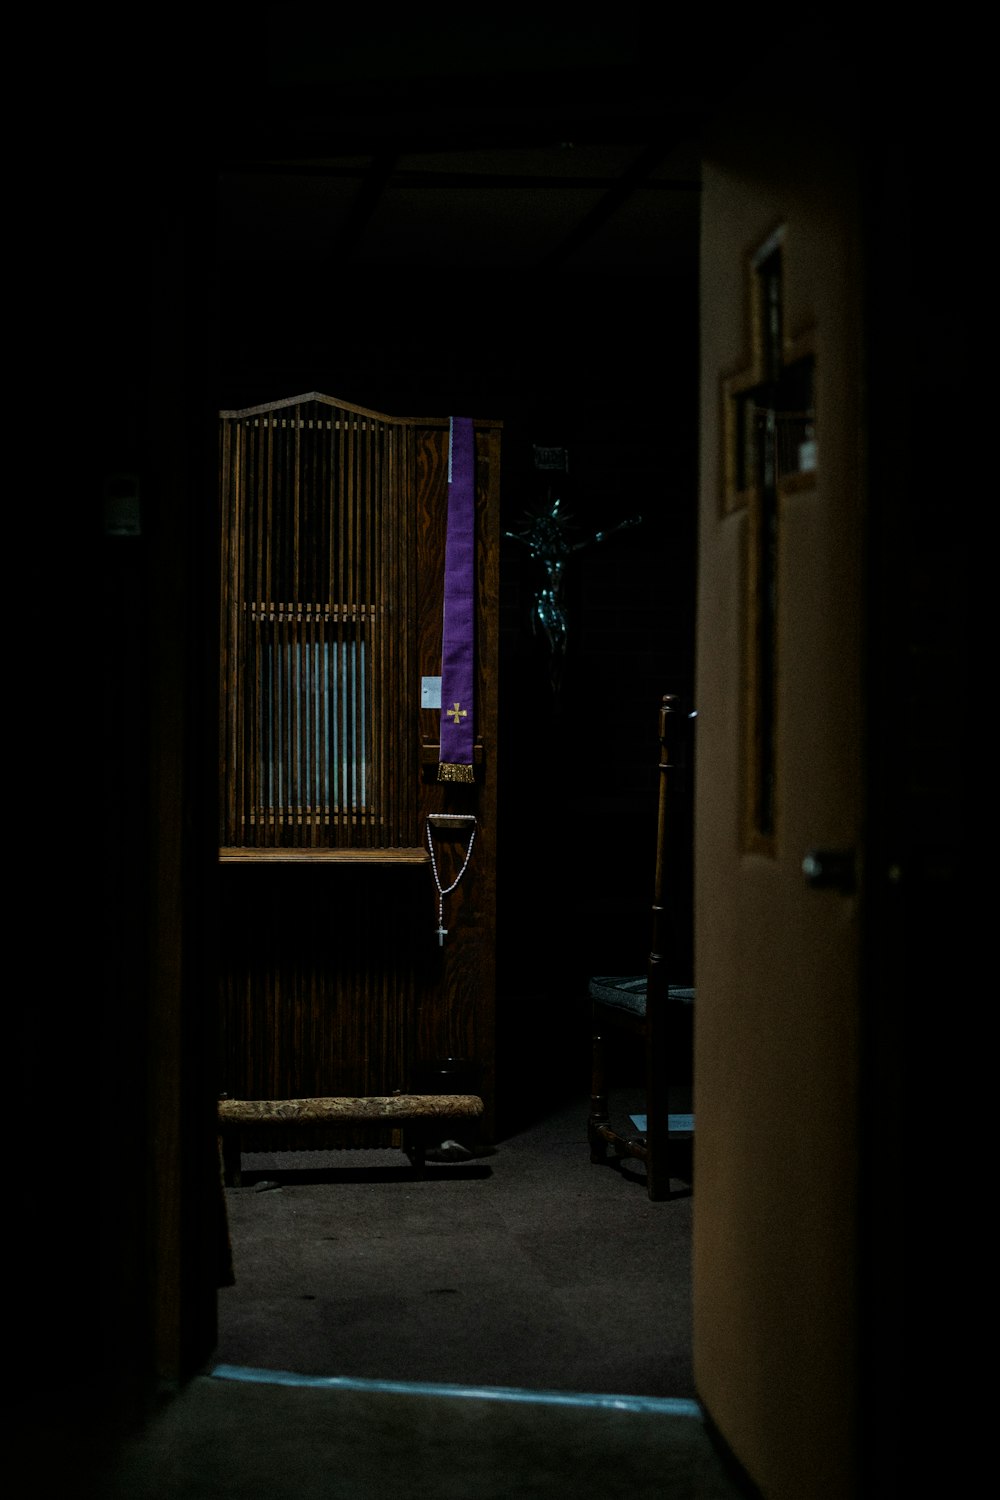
x=628 y=992
x=391 y=1109
x=247 y=1124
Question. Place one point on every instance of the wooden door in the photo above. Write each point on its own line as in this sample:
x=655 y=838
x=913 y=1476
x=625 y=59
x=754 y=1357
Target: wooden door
x=779 y=805
x=335 y=979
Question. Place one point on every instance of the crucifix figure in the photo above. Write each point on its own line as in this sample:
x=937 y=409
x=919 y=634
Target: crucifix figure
x=546 y=536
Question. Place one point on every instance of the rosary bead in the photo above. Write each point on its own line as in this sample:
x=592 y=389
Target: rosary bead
x=446 y=890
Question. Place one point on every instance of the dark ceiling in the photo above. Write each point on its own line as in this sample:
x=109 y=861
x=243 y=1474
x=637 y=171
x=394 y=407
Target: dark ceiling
x=344 y=160
x=483 y=146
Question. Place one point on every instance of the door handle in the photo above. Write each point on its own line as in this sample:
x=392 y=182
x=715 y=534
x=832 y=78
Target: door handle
x=831 y=869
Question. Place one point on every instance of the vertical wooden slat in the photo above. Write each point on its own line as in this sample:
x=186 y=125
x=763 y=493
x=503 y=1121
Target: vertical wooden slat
x=292 y=804
x=229 y=593
x=372 y=547
x=404 y=506
x=262 y=561
x=365 y=521
x=335 y=555
x=403 y=657
x=361 y=541
x=251 y=591
x=347 y=552
x=394 y=627
x=311 y=715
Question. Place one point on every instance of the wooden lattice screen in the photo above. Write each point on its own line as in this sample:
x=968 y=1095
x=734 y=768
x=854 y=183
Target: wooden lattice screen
x=318 y=595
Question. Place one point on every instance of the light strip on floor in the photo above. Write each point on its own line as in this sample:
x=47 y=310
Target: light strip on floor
x=665 y=1405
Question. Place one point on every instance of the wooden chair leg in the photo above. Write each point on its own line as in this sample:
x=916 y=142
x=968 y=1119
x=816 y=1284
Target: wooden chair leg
x=658 y=1161
x=598 y=1096
x=657 y=1105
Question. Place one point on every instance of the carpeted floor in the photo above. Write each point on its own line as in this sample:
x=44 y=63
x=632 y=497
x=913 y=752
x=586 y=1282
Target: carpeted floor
x=528 y=1267
x=516 y=1324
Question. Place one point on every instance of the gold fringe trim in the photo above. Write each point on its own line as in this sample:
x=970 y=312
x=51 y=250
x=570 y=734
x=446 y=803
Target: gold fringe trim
x=448 y=771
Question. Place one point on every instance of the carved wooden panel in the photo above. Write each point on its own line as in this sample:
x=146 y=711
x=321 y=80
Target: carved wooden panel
x=333 y=977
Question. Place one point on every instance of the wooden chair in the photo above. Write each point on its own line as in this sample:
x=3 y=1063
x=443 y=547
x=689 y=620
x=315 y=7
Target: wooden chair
x=647 y=1006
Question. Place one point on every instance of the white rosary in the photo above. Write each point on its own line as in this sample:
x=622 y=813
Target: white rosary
x=448 y=820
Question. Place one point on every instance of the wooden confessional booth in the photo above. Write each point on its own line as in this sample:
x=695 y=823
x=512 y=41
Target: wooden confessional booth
x=357 y=879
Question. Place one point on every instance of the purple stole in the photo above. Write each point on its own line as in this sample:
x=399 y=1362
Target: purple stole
x=458 y=629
